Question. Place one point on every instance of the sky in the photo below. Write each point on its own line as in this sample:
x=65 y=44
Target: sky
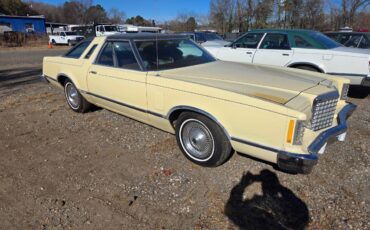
x=159 y=10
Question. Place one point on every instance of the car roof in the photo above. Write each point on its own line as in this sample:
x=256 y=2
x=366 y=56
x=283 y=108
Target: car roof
x=282 y=30
x=145 y=36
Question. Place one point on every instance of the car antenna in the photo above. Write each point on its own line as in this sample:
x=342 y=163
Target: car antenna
x=156 y=44
x=156 y=51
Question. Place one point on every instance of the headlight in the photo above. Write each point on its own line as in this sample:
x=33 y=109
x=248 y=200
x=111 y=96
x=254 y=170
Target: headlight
x=298 y=133
x=295 y=132
x=344 y=94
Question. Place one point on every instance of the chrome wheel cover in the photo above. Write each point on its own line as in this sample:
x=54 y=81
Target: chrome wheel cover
x=73 y=98
x=197 y=140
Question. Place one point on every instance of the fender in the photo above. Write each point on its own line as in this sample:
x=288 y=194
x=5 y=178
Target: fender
x=76 y=83
x=196 y=110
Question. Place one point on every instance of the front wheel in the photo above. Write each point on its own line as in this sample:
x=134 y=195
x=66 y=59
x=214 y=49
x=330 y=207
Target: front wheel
x=69 y=43
x=201 y=140
x=74 y=98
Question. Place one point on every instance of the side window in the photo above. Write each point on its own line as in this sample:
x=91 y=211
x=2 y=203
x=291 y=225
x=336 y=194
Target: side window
x=275 y=42
x=91 y=51
x=343 y=38
x=77 y=51
x=300 y=42
x=106 y=56
x=353 y=41
x=124 y=56
x=365 y=43
x=249 y=40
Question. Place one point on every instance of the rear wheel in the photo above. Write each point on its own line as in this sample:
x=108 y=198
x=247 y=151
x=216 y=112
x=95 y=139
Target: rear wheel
x=53 y=41
x=69 y=43
x=309 y=68
x=201 y=140
x=74 y=98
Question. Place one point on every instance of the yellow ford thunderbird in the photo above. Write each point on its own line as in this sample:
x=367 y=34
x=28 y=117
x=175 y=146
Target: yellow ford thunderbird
x=214 y=107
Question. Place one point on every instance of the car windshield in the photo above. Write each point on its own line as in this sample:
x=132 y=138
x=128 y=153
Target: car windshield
x=110 y=28
x=170 y=54
x=211 y=36
x=323 y=40
x=70 y=33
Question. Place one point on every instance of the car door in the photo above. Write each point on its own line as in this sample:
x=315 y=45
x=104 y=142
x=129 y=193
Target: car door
x=63 y=38
x=274 y=50
x=242 y=50
x=116 y=81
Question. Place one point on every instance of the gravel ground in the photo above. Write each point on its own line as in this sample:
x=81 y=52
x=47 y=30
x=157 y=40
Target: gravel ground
x=100 y=170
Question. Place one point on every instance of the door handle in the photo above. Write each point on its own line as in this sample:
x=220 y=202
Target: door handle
x=249 y=52
x=285 y=54
x=93 y=72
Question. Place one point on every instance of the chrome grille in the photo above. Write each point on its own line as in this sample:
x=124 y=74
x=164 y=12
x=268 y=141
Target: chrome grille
x=323 y=110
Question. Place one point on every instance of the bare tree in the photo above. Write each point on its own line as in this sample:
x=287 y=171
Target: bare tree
x=116 y=16
x=221 y=14
x=349 y=9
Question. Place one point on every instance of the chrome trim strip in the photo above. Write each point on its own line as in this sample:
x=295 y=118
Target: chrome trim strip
x=255 y=144
x=320 y=140
x=124 y=104
x=349 y=74
x=48 y=78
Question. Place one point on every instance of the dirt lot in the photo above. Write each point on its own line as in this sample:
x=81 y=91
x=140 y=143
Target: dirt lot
x=100 y=170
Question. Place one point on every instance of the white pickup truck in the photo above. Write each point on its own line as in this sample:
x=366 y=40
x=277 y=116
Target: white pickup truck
x=67 y=38
x=106 y=30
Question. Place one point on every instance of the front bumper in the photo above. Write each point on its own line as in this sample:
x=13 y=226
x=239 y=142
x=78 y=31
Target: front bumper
x=44 y=79
x=303 y=163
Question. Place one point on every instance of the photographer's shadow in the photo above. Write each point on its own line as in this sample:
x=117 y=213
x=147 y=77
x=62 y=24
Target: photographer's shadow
x=277 y=208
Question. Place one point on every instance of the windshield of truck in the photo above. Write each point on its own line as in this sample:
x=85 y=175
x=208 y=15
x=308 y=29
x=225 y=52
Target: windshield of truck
x=110 y=28
x=323 y=40
x=71 y=33
x=170 y=54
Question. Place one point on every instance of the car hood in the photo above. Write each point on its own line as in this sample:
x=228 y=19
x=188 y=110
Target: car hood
x=278 y=85
x=352 y=50
x=215 y=43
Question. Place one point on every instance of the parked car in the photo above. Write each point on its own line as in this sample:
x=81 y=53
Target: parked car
x=96 y=30
x=285 y=116
x=106 y=30
x=206 y=38
x=351 y=39
x=302 y=49
x=66 y=38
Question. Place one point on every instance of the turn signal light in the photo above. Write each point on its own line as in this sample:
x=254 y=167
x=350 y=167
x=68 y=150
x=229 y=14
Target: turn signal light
x=289 y=138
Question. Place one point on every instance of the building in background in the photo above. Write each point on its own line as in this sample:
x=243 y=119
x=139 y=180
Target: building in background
x=25 y=24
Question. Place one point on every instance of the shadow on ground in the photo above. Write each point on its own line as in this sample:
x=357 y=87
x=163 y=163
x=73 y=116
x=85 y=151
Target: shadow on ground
x=357 y=91
x=19 y=76
x=277 y=207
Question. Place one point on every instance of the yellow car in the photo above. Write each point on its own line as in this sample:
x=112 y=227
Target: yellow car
x=215 y=108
